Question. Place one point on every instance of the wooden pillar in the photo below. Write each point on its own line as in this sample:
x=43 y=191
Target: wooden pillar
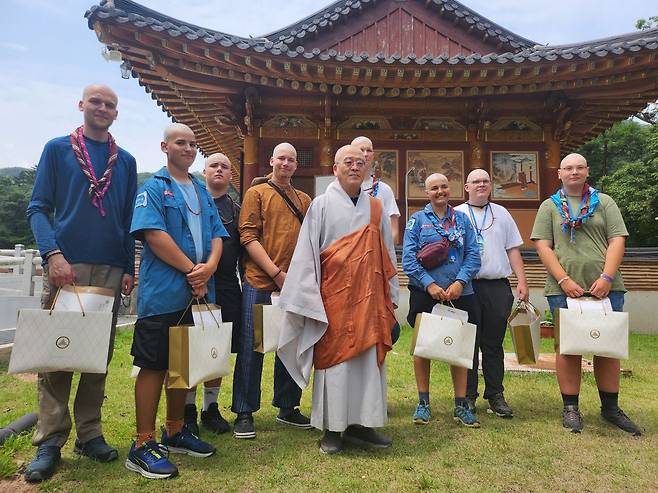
x=474 y=136
x=326 y=137
x=550 y=181
x=250 y=170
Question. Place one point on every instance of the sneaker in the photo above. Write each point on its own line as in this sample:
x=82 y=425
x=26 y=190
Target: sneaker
x=185 y=442
x=366 y=437
x=470 y=404
x=572 y=420
x=189 y=419
x=422 y=414
x=296 y=419
x=498 y=406
x=465 y=417
x=244 y=426
x=44 y=464
x=618 y=418
x=149 y=461
x=96 y=449
x=331 y=442
x=212 y=420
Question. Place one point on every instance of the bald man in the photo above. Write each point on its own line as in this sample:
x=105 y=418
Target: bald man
x=270 y=220
x=339 y=319
x=375 y=187
x=498 y=239
x=176 y=220
x=217 y=172
x=88 y=184
x=580 y=237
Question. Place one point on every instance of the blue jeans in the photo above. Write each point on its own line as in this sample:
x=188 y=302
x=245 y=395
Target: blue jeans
x=560 y=301
x=249 y=364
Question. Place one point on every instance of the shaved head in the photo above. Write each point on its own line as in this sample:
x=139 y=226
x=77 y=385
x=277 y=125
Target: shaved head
x=365 y=144
x=218 y=157
x=174 y=128
x=574 y=159
x=359 y=141
x=95 y=88
x=434 y=177
x=478 y=174
x=284 y=147
x=345 y=151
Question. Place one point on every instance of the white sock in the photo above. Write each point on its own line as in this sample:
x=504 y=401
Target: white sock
x=190 y=398
x=210 y=395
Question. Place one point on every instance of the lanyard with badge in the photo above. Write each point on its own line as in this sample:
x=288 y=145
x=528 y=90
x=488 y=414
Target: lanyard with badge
x=479 y=237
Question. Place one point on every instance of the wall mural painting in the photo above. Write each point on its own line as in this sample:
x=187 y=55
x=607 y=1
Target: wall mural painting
x=421 y=164
x=515 y=175
x=386 y=166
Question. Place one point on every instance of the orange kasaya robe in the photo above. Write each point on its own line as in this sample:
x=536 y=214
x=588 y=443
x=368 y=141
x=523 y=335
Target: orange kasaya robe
x=356 y=295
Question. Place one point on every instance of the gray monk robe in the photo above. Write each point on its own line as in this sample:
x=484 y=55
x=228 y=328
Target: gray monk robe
x=349 y=385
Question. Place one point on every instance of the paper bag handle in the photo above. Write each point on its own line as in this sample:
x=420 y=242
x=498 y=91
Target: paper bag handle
x=587 y=294
x=205 y=302
x=52 y=307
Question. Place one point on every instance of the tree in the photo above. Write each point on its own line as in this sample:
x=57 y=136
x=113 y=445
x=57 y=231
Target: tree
x=15 y=196
x=645 y=24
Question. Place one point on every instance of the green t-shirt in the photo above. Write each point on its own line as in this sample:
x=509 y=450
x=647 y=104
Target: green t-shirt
x=584 y=259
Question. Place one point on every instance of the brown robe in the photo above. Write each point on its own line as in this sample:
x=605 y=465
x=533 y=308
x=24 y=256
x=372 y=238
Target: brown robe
x=356 y=295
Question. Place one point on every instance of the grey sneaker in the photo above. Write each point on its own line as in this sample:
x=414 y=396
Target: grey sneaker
x=331 y=442
x=296 y=419
x=189 y=419
x=498 y=406
x=618 y=418
x=366 y=437
x=572 y=420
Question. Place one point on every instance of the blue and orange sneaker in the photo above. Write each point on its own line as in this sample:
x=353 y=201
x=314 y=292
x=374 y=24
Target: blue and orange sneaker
x=149 y=461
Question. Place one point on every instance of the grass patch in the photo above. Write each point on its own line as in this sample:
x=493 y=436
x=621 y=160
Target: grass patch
x=528 y=453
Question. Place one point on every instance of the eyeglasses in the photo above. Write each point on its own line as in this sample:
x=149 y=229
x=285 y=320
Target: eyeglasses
x=480 y=182
x=348 y=163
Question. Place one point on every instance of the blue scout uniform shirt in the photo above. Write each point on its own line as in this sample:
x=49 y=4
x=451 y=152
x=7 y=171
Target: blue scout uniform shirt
x=78 y=229
x=160 y=205
x=463 y=262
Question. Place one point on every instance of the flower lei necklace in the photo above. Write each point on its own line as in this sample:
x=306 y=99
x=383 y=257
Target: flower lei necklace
x=97 y=188
x=588 y=202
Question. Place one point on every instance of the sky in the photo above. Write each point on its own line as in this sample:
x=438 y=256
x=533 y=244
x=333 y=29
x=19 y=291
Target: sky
x=48 y=54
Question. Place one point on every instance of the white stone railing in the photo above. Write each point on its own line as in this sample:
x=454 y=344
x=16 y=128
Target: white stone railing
x=22 y=264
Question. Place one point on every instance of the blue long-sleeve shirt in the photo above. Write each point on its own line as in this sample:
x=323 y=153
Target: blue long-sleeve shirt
x=464 y=261
x=77 y=228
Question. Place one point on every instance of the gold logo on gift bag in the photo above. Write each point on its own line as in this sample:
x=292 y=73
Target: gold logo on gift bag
x=448 y=341
x=594 y=334
x=62 y=342
x=213 y=353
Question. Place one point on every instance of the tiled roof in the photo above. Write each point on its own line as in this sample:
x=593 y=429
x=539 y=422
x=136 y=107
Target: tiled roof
x=324 y=19
x=126 y=11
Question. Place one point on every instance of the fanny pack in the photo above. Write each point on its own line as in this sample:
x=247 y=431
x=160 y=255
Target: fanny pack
x=434 y=254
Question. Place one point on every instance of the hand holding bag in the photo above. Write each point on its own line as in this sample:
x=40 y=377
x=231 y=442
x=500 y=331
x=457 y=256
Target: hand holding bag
x=199 y=352
x=61 y=340
x=445 y=339
x=524 y=325
x=600 y=332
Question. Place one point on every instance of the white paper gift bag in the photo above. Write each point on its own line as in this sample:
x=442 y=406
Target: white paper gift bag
x=593 y=331
x=93 y=298
x=58 y=340
x=199 y=352
x=450 y=312
x=445 y=339
x=267 y=321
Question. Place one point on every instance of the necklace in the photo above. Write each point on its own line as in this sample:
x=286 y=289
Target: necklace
x=233 y=205
x=196 y=213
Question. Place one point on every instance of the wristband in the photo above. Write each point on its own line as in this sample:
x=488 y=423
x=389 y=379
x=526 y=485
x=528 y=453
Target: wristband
x=51 y=253
x=606 y=277
x=275 y=275
x=190 y=271
x=559 y=283
x=462 y=282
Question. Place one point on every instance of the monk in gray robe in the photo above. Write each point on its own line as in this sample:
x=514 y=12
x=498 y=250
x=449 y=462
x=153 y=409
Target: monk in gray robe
x=339 y=298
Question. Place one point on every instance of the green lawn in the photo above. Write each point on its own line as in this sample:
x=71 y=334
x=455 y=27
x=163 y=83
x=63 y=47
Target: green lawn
x=532 y=452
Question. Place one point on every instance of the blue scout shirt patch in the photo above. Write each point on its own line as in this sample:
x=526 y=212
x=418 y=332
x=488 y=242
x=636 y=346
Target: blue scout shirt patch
x=140 y=200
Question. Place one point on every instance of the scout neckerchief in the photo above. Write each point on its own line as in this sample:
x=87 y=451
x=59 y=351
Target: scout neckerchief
x=97 y=188
x=588 y=203
x=479 y=237
x=449 y=230
x=373 y=191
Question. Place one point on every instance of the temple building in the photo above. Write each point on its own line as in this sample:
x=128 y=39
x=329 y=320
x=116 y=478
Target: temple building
x=436 y=86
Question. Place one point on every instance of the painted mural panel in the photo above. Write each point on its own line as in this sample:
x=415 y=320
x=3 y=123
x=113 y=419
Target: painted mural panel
x=386 y=166
x=515 y=175
x=421 y=164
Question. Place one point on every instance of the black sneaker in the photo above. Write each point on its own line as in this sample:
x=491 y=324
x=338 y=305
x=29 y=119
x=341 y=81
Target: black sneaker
x=189 y=419
x=470 y=404
x=572 y=420
x=366 y=437
x=212 y=420
x=295 y=418
x=96 y=449
x=244 y=426
x=618 y=418
x=44 y=464
x=331 y=442
x=498 y=406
